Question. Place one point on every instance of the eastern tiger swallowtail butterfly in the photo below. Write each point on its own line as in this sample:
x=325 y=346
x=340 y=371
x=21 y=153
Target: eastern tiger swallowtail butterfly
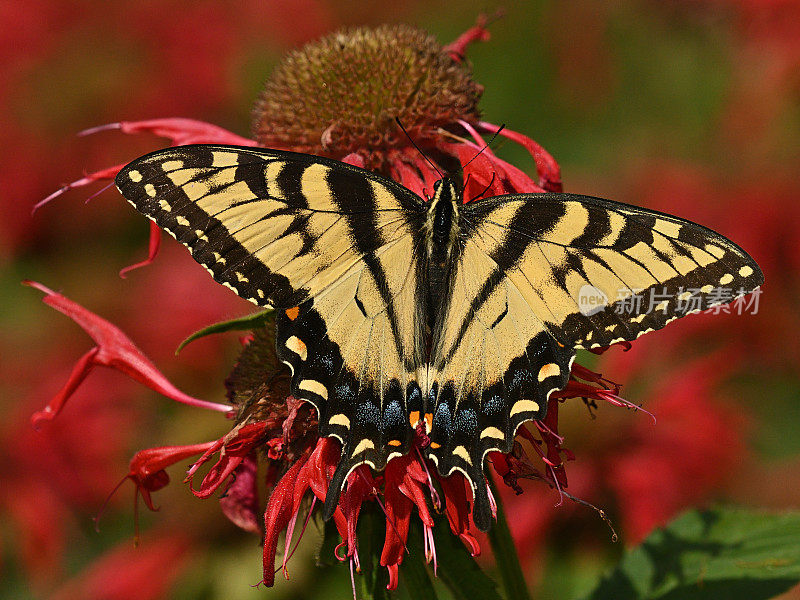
x=392 y=310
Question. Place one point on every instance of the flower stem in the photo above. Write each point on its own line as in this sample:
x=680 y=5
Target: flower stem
x=505 y=554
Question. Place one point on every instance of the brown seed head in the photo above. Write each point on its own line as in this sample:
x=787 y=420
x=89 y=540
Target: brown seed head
x=341 y=94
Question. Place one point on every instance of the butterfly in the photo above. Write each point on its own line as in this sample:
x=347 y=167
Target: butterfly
x=393 y=311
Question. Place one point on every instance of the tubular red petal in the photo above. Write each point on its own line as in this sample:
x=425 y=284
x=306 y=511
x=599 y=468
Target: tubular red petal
x=79 y=373
x=277 y=517
x=103 y=174
x=481 y=174
x=186 y=131
x=360 y=486
x=414 y=485
x=234 y=447
x=546 y=166
x=458 y=510
x=398 y=515
x=511 y=179
x=321 y=466
x=146 y=462
x=478 y=33
x=152 y=251
x=407 y=176
x=147 y=472
x=114 y=349
x=419 y=175
x=240 y=501
x=393 y=576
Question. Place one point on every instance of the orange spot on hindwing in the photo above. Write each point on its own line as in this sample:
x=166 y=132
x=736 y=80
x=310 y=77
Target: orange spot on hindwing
x=293 y=312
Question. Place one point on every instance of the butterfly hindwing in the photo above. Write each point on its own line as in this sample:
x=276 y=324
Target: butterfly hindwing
x=331 y=248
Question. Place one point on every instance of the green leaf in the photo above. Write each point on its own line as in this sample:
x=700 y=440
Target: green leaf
x=458 y=570
x=246 y=323
x=724 y=554
x=505 y=554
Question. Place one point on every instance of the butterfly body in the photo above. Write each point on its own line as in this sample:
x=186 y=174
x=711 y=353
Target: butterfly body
x=393 y=311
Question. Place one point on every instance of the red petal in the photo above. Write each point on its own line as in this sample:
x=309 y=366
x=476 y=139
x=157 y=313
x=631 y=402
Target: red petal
x=277 y=517
x=412 y=170
x=414 y=486
x=114 y=349
x=103 y=174
x=79 y=373
x=398 y=516
x=322 y=465
x=240 y=502
x=546 y=166
x=360 y=486
x=507 y=177
x=458 y=510
x=179 y=131
x=393 y=577
x=477 y=33
x=152 y=251
x=234 y=447
x=147 y=467
x=186 y=131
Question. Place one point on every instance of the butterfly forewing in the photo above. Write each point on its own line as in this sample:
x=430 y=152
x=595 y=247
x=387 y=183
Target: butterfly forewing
x=600 y=272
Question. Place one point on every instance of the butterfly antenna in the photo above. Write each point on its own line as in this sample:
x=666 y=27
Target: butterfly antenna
x=413 y=143
x=486 y=189
x=485 y=146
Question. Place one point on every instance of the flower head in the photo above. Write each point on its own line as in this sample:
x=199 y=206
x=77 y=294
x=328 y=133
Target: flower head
x=343 y=94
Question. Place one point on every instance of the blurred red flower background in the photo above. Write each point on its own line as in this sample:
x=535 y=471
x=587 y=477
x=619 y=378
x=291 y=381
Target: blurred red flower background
x=690 y=108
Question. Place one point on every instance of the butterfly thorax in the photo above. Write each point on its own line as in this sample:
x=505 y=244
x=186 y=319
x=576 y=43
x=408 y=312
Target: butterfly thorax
x=441 y=227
